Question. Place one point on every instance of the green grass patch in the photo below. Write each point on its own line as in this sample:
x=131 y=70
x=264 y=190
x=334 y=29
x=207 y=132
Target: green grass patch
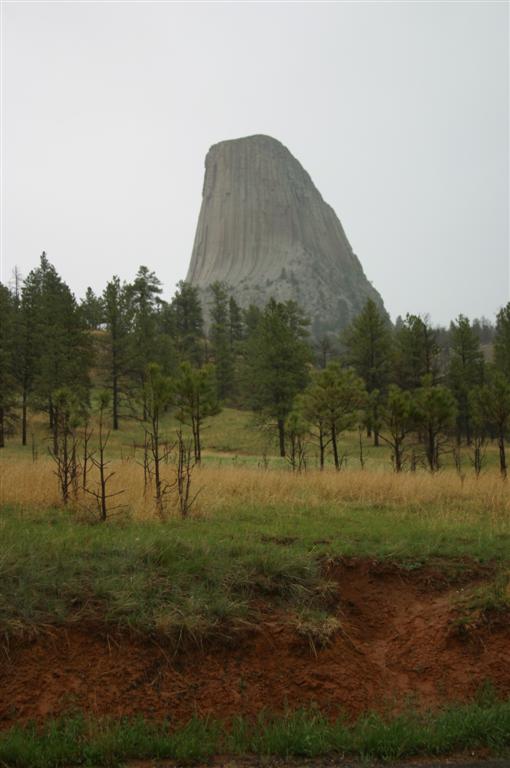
x=485 y=603
x=233 y=435
x=192 y=578
x=305 y=733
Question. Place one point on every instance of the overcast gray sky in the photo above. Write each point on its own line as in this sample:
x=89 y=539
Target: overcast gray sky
x=399 y=112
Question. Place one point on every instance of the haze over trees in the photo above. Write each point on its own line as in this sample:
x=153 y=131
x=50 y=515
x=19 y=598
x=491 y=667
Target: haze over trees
x=421 y=390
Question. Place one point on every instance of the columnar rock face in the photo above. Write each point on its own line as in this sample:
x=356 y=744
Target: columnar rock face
x=265 y=230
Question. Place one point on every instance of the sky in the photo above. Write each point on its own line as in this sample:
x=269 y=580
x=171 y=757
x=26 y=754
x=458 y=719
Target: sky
x=398 y=110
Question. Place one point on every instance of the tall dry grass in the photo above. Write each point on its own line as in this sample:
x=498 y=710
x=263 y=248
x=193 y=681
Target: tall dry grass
x=228 y=489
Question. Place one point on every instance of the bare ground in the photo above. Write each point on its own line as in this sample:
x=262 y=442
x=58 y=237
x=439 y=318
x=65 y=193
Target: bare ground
x=397 y=644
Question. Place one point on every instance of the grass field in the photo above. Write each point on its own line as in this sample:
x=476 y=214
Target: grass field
x=233 y=436
x=75 y=741
x=261 y=540
x=249 y=538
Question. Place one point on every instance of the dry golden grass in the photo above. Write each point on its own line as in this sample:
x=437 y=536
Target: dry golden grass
x=224 y=489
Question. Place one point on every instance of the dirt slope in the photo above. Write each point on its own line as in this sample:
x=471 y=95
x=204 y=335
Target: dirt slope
x=397 y=644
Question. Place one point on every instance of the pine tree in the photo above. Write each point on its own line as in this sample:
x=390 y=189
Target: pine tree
x=368 y=349
x=465 y=370
x=235 y=324
x=91 y=308
x=251 y=318
x=158 y=396
x=220 y=334
x=27 y=342
x=117 y=316
x=143 y=295
x=436 y=411
x=502 y=341
x=8 y=384
x=490 y=406
x=333 y=402
x=56 y=348
x=182 y=320
x=416 y=352
x=277 y=358
x=398 y=416
x=196 y=399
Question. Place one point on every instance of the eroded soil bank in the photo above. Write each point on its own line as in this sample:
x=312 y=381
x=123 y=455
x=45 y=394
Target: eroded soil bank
x=398 y=644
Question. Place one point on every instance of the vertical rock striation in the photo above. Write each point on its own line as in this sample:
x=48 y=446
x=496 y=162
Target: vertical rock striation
x=265 y=230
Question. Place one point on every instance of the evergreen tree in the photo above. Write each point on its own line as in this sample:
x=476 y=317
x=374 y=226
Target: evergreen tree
x=324 y=350
x=220 y=337
x=145 y=303
x=117 y=317
x=8 y=384
x=251 y=318
x=502 y=341
x=398 y=416
x=91 y=308
x=235 y=320
x=484 y=329
x=196 y=399
x=296 y=431
x=491 y=404
x=158 y=396
x=332 y=402
x=368 y=349
x=465 y=370
x=436 y=411
x=57 y=349
x=28 y=349
x=183 y=322
x=416 y=352
x=277 y=357
x=480 y=425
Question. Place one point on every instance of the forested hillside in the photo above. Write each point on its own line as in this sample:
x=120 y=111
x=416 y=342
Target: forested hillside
x=127 y=353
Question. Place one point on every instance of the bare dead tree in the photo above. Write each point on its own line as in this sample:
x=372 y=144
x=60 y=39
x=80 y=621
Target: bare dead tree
x=35 y=452
x=296 y=456
x=457 y=460
x=361 y=454
x=74 y=465
x=146 y=463
x=478 y=457
x=158 y=393
x=184 y=470
x=101 y=494
x=160 y=454
x=64 y=443
x=87 y=456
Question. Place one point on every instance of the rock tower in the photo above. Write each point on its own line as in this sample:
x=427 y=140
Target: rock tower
x=265 y=230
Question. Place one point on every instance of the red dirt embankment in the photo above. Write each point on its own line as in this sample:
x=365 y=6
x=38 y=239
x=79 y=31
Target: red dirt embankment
x=398 y=642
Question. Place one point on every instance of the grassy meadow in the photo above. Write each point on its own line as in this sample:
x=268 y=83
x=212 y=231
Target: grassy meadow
x=471 y=729
x=256 y=528
x=257 y=532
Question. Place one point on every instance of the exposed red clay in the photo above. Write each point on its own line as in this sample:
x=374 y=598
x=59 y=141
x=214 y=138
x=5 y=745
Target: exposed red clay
x=397 y=645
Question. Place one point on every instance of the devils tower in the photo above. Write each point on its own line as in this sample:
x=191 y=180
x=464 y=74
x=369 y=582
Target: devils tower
x=265 y=231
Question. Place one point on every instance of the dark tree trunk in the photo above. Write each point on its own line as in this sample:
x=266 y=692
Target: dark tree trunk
x=502 y=455
x=281 y=437
x=115 y=401
x=197 y=448
x=469 y=439
x=335 y=447
x=24 y=417
x=398 y=456
x=321 y=447
x=54 y=429
x=431 y=451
